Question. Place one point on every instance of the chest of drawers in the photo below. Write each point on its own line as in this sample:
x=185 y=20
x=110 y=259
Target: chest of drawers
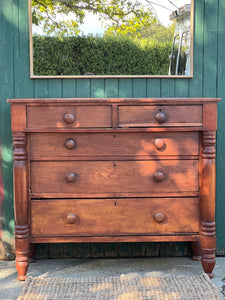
x=121 y=170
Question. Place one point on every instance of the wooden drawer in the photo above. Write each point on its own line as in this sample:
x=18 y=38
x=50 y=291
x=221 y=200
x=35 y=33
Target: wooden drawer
x=146 y=116
x=108 y=144
x=112 y=177
x=114 y=216
x=68 y=116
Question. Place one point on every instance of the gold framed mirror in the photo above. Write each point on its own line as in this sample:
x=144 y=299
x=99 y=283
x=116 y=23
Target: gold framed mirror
x=111 y=39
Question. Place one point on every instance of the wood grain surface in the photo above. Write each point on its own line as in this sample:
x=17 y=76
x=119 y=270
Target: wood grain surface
x=114 y=216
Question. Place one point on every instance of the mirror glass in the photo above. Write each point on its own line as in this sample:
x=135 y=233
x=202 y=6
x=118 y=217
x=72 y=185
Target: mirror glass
x=89 y=38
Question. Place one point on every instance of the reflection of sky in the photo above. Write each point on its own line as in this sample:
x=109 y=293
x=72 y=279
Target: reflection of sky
x=92 y=25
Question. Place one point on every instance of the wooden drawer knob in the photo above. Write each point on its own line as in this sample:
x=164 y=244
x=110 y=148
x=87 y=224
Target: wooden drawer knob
x=70 y=177
x=70 y=144
x=71 y=219
x=159 y=144
x=159 y=217
x=158 y=176
x=69 y=118
x=160 y=117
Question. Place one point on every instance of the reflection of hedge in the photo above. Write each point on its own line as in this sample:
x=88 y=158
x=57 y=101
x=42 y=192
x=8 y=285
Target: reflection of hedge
x=100 y=56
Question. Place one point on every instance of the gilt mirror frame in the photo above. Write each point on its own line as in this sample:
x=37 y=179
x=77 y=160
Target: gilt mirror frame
x=33 y=76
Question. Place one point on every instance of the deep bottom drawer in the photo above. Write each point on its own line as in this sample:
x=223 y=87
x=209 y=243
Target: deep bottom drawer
x=89 y=217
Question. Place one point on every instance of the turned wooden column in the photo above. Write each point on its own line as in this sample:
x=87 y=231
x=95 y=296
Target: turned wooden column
x=21 y=204
x=207 y=201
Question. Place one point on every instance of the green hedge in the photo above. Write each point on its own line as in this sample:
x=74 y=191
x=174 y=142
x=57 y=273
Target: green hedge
x=101 y=56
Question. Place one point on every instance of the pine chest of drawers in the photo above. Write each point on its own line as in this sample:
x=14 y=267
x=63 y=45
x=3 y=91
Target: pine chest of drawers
x=121 y=170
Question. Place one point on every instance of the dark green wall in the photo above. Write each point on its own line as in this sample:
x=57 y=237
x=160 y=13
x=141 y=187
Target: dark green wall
x=208 y=81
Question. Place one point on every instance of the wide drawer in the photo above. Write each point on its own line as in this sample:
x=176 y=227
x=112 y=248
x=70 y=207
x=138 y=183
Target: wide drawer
x=163 y=115
x=114 y=216
x=68 y=116
x=118 y=144
x=104 y=177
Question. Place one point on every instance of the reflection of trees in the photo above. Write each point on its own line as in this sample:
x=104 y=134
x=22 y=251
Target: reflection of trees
x=121 y=16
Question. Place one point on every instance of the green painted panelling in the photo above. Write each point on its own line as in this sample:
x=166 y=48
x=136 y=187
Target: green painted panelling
x=210 y=49
x=195 y=84
x=181 y=88
x=83 y=88
x=175 y=249
x=97 y=88
x=111 y=249
x=139 y=249
x=125 y=250
x=7 y=37
x=208 y=81
x=111 y=88
x=23 y=84
x=98 y=250
x=83 y=250
x=125 y=88
x=69 y=250
x=167 y=88
x=69 y=88
x=152 y=249
x=42 y=251
x=153 y=88
x=40 y=88
x=55 y=88
x=139 y=88
x=56 y=250
x=220 y=205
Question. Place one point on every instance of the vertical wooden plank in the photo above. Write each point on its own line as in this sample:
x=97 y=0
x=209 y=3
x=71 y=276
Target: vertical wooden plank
x=56 y=250
x=83 y=88
x=175 y=249
x=210 y=49
x=40 y=88
x=125 y=249
x=152 y=249
x=22 y=81
x=167 y=88
x=153 y=88
x=195 y=84
x=54 y=88
x=41 y=251
x=8 y=34
x=69 y=250
x=111 y=249
x=83 y=250
x=220 y=166
x=125 y=88
x=97 y=88
x=69 y=88
x=111 y=88
x=98 y=250
x=138 y=250
x=139 y=88
x=181 y=88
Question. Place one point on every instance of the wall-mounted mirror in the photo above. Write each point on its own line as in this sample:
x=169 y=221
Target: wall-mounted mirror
x=111 y=38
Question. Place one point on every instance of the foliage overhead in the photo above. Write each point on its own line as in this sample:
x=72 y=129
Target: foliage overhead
x=119 y=16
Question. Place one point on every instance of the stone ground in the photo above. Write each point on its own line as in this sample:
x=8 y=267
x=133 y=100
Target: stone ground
x=169 y=266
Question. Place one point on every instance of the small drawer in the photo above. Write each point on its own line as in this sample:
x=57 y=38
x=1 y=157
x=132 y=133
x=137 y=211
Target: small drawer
x=164 y=115
x=109 y=144
x=96 y=217
x=111 y=177
x=69 y=116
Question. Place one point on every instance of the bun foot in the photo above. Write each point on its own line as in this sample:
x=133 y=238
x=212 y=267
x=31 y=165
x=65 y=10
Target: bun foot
x=22 y=277
x=211 y=275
